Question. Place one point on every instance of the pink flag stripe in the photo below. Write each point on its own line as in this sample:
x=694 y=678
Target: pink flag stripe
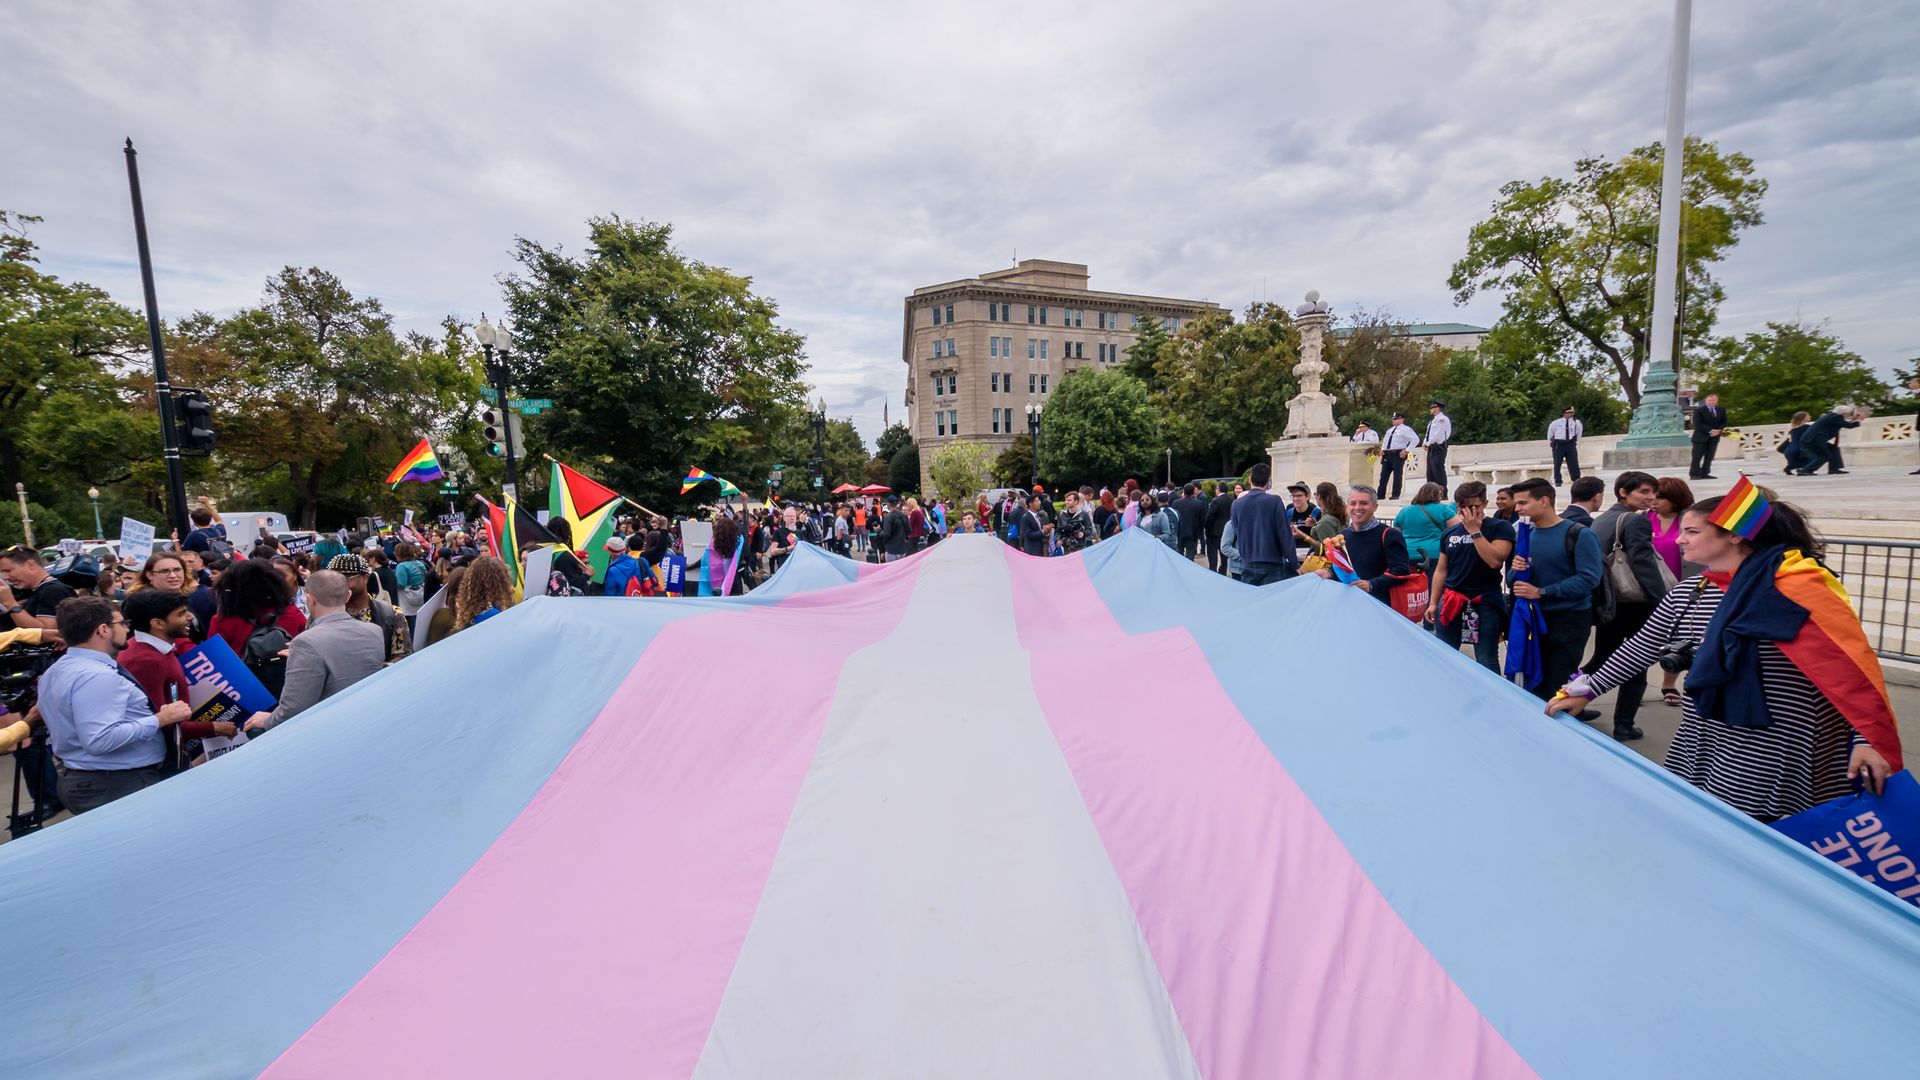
x=601 y=928
x=1281 y=957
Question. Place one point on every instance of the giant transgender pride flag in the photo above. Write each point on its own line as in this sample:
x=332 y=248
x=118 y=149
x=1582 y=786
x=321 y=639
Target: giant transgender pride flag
x=1103 y=816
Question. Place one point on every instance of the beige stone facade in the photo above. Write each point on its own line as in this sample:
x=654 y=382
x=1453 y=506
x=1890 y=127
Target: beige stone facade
x=980 y=350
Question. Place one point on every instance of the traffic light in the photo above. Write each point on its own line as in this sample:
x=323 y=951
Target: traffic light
x=493 y=424
x=193 y=420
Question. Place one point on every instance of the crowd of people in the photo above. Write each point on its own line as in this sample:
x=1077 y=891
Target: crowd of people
x=1613 y=588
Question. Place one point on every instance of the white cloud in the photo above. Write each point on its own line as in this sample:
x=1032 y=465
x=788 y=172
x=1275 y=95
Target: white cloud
x=844 y=153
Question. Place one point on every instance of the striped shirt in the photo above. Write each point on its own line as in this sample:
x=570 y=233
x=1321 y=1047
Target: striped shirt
x=1798 y=761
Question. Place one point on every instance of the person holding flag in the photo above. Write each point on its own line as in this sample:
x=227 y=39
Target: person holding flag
x=588 y=507
x=1786 y=706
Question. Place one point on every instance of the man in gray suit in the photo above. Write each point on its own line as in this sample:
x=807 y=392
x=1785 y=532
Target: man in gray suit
x=335 y=651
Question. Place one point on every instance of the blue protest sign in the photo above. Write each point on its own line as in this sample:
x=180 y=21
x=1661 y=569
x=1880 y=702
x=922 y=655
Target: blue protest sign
x=214 y=664
x=1874 y=836
x=676 y=568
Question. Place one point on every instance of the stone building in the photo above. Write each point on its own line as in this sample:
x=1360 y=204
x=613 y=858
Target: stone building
x=980 y=350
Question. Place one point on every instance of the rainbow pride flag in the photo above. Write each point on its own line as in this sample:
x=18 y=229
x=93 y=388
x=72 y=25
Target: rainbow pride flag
x=696 y=477
x=1744 y=510
x=419 y=466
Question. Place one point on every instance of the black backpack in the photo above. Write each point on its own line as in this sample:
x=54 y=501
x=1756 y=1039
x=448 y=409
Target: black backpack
x=262 y=654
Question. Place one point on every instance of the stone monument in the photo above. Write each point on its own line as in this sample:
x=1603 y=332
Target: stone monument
x=1313 y=448
x=1310 y=412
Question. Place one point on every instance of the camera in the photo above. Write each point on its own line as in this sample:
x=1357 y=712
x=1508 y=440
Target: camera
x=1678 y=657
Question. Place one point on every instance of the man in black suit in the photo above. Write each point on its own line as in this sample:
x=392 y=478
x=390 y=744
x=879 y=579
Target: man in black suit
x=1822 y=440
x=1219 y=512
x=1709 y=422
x=1193 y=520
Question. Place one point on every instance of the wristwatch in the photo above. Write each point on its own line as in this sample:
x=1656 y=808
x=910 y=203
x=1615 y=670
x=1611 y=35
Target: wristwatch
x=16 y=609
x=1473 y=536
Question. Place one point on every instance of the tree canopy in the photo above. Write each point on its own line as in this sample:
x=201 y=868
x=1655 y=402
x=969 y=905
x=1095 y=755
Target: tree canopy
x=1769 y=375
x=1573 y=257
x=961 y=468
x=1222 y=386
x=654 y=361
x=1098 y=427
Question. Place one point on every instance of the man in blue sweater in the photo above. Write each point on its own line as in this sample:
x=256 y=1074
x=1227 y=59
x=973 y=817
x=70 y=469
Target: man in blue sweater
x=1260 y=532
x=1563 y=571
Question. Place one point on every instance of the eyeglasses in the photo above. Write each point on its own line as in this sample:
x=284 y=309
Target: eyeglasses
x=118 y=622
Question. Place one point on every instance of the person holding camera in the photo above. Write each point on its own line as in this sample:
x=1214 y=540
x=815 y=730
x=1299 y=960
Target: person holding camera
x=1075 y=527
x=1785 y=704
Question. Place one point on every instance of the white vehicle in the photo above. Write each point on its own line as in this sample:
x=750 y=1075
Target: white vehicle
x=244 y=526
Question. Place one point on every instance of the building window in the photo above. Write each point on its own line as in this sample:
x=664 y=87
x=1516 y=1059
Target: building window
x=993 y=312
x=940 y=423
x=953 y=421
x=1006 y=346
x=1033 y=383
x=1006 y=312
x=1043 y=348
x=949 y=313
x=936 y=314
x=996 y=421
x=996 y=382
x=1170 y=324
x=1043 y=384
x=1033 y=349
x=950 y=349
x=1109 y=320
x=1079 y=350
x=1043 y=315
x=1032 y=315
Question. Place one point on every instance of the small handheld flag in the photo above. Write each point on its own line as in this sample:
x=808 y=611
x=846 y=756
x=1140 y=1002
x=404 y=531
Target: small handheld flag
x=1342 y=563
x=1744 y=510
x=419 y=466
x=696 y=477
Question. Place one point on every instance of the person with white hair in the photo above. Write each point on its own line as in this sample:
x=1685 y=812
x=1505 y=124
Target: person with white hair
x=1821 y=443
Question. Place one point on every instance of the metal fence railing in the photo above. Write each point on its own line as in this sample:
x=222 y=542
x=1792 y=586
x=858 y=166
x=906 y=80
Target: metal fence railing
x=1880 y=578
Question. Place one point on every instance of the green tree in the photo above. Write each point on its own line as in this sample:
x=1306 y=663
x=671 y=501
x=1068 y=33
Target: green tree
x=891 y=440
x=1376 y=370
x=903 y=469
x=1224 y=385
x=875 y=471
x=1098 y=428
x=1771 y=374
x=1014 y=466
x=318 y=397
x=59 y=346
x=846 y=455
x=1143 y=356
x=1573 y=258
x=654 y=361
x=1506 y=391
x=959 y=469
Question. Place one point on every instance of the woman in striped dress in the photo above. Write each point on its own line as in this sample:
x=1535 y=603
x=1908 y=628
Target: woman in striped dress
x=1806 y=751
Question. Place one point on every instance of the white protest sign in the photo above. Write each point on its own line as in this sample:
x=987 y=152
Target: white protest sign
x=69 y=546
x=136 y=541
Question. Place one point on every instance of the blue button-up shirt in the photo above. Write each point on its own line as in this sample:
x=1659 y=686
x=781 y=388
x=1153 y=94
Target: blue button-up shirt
x=97 y=715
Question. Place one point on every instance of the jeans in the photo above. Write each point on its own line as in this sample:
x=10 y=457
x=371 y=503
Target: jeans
x=1566 y=451
x=1703 y=450
x=1492 y=610
x=1266 y=573
x=1562 y=648
x=1607 y=637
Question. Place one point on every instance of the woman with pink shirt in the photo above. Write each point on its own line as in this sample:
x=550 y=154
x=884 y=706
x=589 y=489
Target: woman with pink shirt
x=1670 y=501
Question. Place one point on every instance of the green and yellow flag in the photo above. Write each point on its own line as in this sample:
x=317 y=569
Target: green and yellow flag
x=587 y=506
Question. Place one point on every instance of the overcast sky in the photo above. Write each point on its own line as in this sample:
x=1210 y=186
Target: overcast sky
x=842 y=154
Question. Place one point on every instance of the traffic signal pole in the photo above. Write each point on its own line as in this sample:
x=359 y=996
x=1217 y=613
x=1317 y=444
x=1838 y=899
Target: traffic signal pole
x=169 y=431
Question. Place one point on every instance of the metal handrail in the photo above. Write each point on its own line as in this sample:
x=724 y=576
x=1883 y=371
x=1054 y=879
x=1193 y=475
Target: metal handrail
x=1886 y=615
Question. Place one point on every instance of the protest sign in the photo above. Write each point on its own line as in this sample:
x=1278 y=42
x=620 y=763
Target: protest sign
x=1874 y=836
x=539 y=570
x=136 y=541
x=219 y=687
x=69 y=546
x=299 y=545
x=676 y=574
x=695 y=538
x=456 y=522
x=423 y=619
x=409 y=518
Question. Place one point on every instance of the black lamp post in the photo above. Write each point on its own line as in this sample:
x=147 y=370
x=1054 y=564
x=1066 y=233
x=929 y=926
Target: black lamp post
x=1033 y=434
x=490 y=336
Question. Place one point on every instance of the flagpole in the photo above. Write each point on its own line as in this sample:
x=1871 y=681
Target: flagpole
x=636 y=502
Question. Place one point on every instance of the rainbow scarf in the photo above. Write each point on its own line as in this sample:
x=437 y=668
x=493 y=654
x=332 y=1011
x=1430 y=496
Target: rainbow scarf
x=1743 y=510
x=419 y=466
x=1783 y=596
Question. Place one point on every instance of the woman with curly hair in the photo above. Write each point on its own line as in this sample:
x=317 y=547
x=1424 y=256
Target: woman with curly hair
x=720 y=553
x=248 y=595
x=485 y=591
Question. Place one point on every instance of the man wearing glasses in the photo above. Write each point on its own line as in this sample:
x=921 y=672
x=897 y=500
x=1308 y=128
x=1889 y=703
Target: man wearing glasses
x=109 y=740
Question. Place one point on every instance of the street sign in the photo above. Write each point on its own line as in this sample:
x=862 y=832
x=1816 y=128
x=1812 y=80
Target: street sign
x=529 y=406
